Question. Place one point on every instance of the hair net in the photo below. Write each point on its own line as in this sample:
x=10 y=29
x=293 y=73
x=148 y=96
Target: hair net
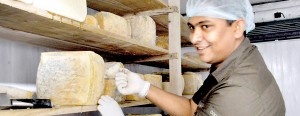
x=224 y=9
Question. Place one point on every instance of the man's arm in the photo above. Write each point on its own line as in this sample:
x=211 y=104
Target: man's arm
x=173 y=104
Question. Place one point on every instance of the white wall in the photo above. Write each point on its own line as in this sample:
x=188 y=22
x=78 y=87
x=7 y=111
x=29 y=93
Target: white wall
x=283 y=60
x=19 y=61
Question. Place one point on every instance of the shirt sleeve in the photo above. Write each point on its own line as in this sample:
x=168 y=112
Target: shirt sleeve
x=230 y=101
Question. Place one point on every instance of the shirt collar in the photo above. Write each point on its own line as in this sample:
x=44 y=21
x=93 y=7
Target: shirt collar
x=228 y=65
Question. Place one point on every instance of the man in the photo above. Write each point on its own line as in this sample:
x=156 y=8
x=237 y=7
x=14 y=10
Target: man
x=239 y=83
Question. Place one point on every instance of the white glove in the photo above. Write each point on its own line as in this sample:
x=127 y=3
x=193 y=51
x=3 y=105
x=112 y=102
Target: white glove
x=130 y=83
x=109 y=107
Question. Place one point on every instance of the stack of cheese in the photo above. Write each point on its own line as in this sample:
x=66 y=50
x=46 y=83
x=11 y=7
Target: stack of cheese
x=70 y=78
x=113 y=23
x=143 y=28
x=192 y=82
x=163 y=41
x=111 y=69
x=135 y=97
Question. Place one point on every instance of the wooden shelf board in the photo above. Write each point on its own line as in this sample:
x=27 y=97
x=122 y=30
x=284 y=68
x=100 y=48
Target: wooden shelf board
x=186 y=64
x=64 y=109
x=122 y=7
x=24 y=17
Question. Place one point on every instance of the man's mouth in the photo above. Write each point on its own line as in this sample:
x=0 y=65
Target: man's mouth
x=202 y=48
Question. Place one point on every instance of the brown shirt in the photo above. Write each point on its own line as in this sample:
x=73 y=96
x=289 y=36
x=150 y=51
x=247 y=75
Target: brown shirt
x=241 y=86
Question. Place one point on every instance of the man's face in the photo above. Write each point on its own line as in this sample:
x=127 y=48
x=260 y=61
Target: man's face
x=213 y=38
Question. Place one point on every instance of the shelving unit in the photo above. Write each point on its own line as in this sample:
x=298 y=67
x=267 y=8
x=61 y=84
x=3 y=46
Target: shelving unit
x=23 y=22
x=23 y=17
x=63 y=110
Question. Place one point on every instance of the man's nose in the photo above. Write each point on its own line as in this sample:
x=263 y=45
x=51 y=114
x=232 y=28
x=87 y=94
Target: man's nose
x=196 y=36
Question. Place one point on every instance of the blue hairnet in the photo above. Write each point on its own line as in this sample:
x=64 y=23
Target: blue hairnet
x=223 y=9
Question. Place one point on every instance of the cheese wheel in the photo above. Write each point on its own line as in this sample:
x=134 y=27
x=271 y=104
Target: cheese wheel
x=70 y=78
x=113 y=23
x=143 y=28
x=135 y=97
x=91 y=21
x=155 y=80
x=163 y=42
x=192 y=83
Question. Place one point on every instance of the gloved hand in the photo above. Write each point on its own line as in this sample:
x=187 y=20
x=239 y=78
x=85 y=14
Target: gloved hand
x=130 y=83
x=109 y=107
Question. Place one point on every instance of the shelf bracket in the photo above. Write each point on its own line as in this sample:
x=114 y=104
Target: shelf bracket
x=163 y=11
x=158 y=58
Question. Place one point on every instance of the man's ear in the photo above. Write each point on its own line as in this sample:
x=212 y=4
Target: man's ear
x=239 y=27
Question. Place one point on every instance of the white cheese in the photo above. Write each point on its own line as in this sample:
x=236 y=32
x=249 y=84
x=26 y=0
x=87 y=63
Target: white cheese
x=71 y=78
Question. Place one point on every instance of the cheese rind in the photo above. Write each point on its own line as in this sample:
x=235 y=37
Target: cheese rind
x=167 y=86
x=112 y=68
x=112 y=91
x=143 y=28
x=155 y=80
x=113 y=23
x=71 y=78
x=91 y=21
x=163 y=42
x=192 y=82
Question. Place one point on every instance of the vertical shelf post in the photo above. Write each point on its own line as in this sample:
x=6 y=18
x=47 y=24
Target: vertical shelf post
x=175 y=47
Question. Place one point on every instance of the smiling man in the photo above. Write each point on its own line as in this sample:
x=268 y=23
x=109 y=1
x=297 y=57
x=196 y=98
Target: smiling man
x=239 y=83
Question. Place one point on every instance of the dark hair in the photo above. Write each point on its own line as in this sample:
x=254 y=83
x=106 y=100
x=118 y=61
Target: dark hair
x=230 y=23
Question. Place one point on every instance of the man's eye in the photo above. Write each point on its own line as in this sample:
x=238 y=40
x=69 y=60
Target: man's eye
x=205 y=26
x=191 y=28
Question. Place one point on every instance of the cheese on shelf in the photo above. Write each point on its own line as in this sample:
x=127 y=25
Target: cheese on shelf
x=167 y=86
x=192 y=82
x=113 y=23
x=75 y=10
x=155 y=80
x=112 y=91
x=70 y=78
x=27 y=1
x=16 y=93
x=143 y=28
x=91 y=21
x=112 y=68
x=163 y=42
x=135 y=97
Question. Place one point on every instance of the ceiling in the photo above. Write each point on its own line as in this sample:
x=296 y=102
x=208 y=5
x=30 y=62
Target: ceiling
x=253 y=2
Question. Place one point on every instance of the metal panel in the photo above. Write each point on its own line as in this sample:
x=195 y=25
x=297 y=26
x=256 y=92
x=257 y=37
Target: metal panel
x=282 y=59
